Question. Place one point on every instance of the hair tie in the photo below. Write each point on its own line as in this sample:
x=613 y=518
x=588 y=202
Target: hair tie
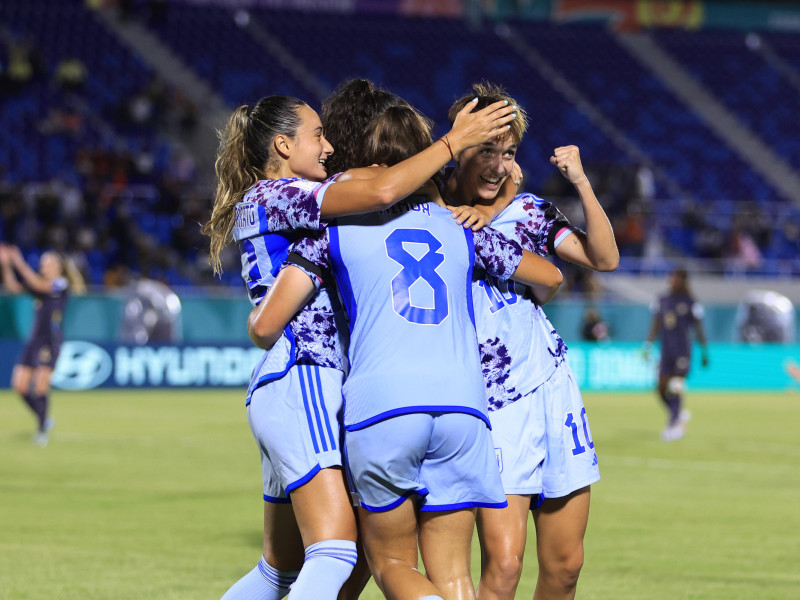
x=249 y=110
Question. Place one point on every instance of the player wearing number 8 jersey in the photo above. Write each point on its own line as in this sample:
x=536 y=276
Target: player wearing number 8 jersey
x=270 y=169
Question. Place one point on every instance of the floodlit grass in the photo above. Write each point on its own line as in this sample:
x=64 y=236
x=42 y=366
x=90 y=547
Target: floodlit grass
x=156 y=494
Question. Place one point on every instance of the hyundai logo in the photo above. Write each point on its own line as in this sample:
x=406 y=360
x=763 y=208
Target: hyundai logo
x=81 y=366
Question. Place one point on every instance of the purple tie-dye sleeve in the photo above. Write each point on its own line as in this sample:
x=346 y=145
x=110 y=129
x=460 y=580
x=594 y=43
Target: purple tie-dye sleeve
x=289 y=203
x=544 y=226
x=495 y=253
x=311 y=252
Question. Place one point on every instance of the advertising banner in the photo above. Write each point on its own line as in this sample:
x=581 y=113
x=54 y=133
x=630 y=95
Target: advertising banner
x=623 y=15
x=85 y=365
x=611 y=366
x=621 y=366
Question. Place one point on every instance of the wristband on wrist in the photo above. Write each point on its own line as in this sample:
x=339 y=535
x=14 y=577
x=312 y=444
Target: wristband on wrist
x=446 y=142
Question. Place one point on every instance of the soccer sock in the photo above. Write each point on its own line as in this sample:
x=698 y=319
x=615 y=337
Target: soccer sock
x=431 y=598
x=327 y=566
x=38 y=404
x=674 y=405
x=264 y=582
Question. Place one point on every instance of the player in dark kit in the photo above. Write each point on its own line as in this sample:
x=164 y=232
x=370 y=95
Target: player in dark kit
x=50 y=286
x=674 y=314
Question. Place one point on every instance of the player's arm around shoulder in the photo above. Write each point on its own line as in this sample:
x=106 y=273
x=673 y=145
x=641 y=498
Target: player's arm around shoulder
x=292 y=290
x=294 y=287
x=481 y=214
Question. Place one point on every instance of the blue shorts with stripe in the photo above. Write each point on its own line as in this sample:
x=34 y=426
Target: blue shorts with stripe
x=295 y=421
x=445 y=460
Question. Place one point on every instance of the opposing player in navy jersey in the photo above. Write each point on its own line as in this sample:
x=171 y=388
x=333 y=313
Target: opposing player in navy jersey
x=415 y=411
x=271 y=168
x=50 y=288
x=543 y=443
x=675 y=314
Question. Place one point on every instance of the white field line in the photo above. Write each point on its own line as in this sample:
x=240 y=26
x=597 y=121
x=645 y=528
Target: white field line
x=691 y=465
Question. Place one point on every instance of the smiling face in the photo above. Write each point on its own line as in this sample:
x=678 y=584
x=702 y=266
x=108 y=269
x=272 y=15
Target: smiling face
x=483 y=169
x=309 y=149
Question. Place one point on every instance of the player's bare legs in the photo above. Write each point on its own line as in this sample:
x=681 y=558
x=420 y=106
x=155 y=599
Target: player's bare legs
x=283 y=546
x=445 y=540
x=560 y=527
x=792 y=370
x=308 y=544
x=358 y=579
x=33 y=385
x=21 y=378
x=390 y=543
x=502 y=533
x=327 y=527
x=323 y=510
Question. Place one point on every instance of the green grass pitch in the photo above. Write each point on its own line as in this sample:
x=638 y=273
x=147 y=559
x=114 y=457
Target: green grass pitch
x=156 y=494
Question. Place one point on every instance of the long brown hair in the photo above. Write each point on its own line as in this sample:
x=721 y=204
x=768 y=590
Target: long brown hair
x=245 y=155
x=346 y=117
x=397 y=134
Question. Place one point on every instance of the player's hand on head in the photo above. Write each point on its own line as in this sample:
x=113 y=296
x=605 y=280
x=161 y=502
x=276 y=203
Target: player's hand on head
x=469 y=217
x=568 y=161
x=472 y=127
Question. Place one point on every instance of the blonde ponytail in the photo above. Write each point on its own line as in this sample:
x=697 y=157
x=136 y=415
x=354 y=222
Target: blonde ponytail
x=77 y=285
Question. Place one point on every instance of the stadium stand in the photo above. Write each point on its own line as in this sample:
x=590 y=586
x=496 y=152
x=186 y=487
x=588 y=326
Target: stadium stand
x=95 y=161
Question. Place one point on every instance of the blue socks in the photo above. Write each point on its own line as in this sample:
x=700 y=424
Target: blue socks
x=264 y=582
x=327 y=566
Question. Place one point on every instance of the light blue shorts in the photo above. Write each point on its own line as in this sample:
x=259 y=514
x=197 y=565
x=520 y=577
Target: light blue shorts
x=570 y=461
x=446 y=459
x=295 y=421
x=543 y=442
x=518 y=431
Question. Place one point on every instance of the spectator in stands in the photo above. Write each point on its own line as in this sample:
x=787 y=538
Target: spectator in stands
x=594 y=328
x=674 y=315
x=742 y=249
x=19 y=71
x=71 y=74
x=50 y=286
x=630 y=231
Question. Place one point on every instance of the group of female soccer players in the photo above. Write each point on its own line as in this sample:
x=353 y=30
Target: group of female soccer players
x=399 y=332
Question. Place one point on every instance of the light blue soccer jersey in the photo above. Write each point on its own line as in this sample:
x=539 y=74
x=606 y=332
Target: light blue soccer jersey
x=519 y=346
x=405 y=275
x=273 y=214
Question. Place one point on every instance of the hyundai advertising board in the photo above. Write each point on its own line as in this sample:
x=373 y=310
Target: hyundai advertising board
x=84 y=365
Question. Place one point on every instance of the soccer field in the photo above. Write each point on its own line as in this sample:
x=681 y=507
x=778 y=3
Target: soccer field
x=157 y=495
